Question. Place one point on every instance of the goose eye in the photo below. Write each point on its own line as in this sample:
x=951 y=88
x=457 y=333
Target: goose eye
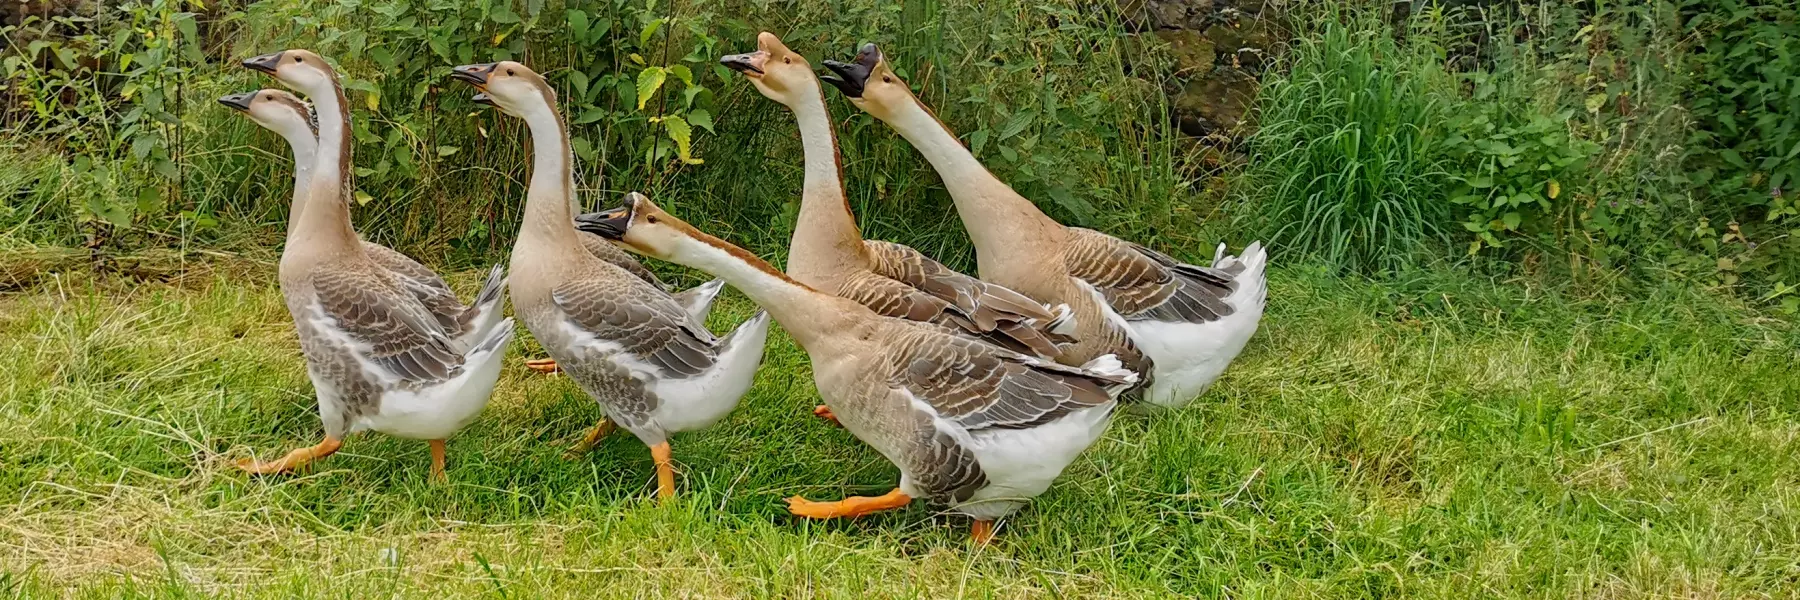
x=651 y=219
x=886 y=79
x=787 y=60
x=509 y=71
x=296 y=59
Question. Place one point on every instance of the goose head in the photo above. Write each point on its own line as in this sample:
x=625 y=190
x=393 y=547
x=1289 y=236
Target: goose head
x=870 y=83
x=643 y=227
x=299 y=70
x=509 y=86
x=277 y=111
x=780 y=74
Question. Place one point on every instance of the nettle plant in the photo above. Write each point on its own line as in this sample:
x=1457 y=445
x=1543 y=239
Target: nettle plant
x=106 y=88
x=1511 y=164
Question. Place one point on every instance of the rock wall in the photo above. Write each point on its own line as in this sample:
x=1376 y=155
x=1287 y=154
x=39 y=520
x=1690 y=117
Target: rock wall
x=1218 y=49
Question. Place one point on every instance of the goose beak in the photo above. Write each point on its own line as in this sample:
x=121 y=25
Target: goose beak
x=483 y=99
x=747 y=63
x=850 y=77
x=476 y=75
x=610 y=224
x=238 y=101
x=265 y=63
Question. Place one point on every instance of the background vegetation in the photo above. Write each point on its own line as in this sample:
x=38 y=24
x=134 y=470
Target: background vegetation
x=1530 y=331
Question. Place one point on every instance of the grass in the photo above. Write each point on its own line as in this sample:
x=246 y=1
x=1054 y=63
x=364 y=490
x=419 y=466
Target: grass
x=1346 y=159
x=1436 y=437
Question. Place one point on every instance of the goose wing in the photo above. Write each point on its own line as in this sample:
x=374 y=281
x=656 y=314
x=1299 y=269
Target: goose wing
x=645 y=323
x=991 y=311
x=977 y=386
x=606 y=251
x=1140 y=283
x=384 y=324
x=422 y=283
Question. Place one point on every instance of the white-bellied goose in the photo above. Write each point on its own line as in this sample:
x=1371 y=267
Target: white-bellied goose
x=379 y=358
x=653 y=367
x=968 y=423
x=1181 y=324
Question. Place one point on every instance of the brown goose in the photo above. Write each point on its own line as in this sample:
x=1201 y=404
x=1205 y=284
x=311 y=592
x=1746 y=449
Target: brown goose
x=287 y=116
x=828 y=253
x=971 y=424
x=650 y=362
x=379 y=357
x=1181 y=324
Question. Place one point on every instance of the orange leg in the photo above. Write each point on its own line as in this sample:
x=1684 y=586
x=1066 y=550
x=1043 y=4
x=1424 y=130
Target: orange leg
x=665 y=471
x=543 y=365
x=982 y=532
x=293 y=460
x=600 y=430
x=852 y=507
x=824 y=412
x=437 y=461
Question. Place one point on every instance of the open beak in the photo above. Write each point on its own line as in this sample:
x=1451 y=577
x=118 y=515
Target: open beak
x=265 y=63
x=476 y=75
x=745 y=63
x=238 y=101
x=849 y=77
x=610 y=224
x=483 y=99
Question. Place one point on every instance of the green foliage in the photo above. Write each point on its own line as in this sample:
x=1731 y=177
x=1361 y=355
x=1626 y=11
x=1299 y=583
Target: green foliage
x=1346 y=163
x=1507 y=166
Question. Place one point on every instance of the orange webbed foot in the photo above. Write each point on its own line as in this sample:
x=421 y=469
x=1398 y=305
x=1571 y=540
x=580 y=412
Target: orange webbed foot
x=824 y=412
x=294 y=459
x=982 y=532
x=852 y=507
x=543 y=365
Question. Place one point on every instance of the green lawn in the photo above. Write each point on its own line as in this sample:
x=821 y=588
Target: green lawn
x=1438 y=437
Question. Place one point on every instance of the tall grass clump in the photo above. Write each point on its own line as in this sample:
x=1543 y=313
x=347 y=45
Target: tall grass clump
x=1344 y=166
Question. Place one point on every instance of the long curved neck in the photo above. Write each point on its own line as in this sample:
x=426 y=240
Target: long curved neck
x=326 y=221
x=807 y=314
x=306 y=149
x=998 y=218
x=825 y=235
x=549 y=199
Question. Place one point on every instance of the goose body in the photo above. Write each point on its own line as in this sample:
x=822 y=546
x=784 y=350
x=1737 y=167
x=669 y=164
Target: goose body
x=828 y=252
x=380 y=358
x=1178 y=323
x=643 y=354
x=969 y=424
x=289 y=117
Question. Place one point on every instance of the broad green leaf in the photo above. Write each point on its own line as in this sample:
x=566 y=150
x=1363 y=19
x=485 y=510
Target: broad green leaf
x=681 y=72
x=699 y=117
x=1017 y=123
x=578 y=24
x=649 y=30
x=648 y=81
x=363 y=198
x=579 y=81
x=977 y=140
x=590 y=115
x=443 y=151
x=1511 y=220
x=678 y=130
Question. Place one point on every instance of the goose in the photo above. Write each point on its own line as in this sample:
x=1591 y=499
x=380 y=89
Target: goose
x=827 y=251
x=970 y=424
x=289 y=117
x=1180 y=324
x=651 y=363
x=379 y=358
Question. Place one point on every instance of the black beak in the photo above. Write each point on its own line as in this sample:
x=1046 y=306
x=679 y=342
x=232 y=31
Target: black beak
x=483 y=99
x=238 y=101
x=265 y=63
x=474 y=74
x=740 y=63
x=852 y=75
x=609 y=224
